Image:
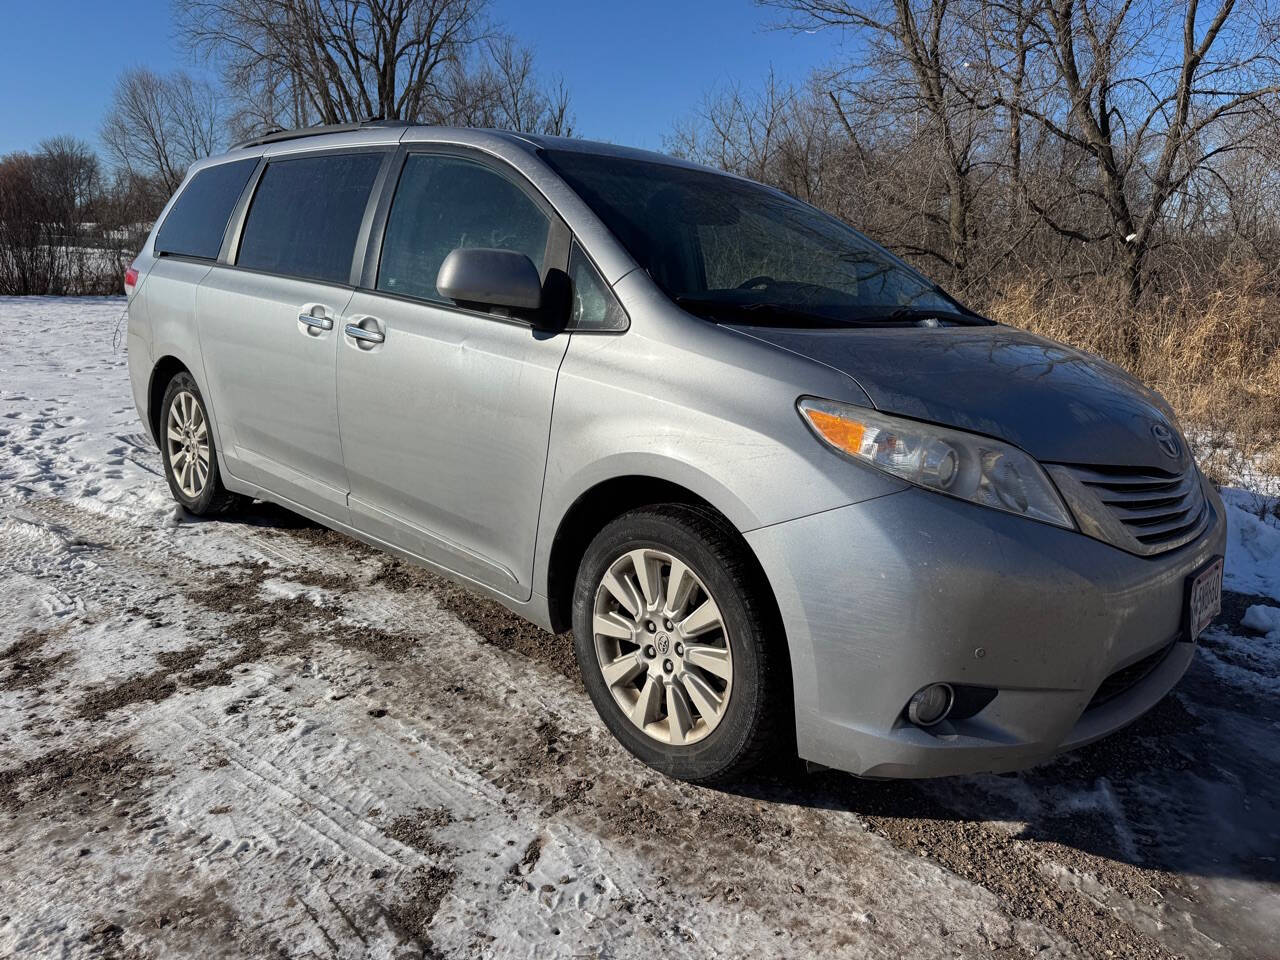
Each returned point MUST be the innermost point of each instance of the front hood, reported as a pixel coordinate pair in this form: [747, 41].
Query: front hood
[1058, 404]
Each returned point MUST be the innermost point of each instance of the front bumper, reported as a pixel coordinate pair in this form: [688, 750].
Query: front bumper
[883, 597]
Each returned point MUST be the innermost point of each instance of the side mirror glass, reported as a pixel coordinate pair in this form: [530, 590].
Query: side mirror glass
[492, 278]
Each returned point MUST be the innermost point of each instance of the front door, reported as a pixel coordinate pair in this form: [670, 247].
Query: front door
[445, 412]
[270, 324]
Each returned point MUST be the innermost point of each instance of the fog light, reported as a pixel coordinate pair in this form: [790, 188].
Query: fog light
[930, 705]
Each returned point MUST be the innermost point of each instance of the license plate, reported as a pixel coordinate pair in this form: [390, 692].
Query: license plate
[1205, 601]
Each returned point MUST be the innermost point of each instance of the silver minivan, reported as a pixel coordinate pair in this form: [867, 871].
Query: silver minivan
[790, 496]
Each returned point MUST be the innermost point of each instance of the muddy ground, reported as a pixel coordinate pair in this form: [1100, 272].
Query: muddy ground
[383, 762]
[255, 737]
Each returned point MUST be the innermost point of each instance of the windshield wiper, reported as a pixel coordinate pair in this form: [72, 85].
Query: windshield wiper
[762, 313]
[767, 314]
[974, 318]
[921, 315]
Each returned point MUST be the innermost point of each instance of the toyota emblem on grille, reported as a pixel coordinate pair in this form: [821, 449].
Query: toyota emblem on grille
[1167, 439]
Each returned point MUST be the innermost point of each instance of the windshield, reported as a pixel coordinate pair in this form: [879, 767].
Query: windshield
[733, 250]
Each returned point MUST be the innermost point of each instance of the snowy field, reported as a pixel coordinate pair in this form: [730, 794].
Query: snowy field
[255, 737]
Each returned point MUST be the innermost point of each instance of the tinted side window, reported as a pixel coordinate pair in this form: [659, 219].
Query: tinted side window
[594, 307]
[195, 224]
[306, 213]
[443, 203]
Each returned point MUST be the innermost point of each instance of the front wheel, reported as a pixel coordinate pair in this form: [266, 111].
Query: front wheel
[677, 644]
[188, 451]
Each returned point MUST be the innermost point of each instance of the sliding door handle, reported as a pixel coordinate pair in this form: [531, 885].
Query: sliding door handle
[315, 323]
[314, 319]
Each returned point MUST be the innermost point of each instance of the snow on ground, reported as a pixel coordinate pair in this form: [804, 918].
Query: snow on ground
[1253, 550]
[257, 737]
[1263, 618]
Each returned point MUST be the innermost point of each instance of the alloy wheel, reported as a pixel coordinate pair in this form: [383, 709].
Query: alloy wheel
[662, 646]
[187, 439]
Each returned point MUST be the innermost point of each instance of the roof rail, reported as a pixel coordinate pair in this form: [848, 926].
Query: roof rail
[276, 135]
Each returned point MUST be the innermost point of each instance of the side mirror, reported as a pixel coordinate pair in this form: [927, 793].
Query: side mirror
[494, 278]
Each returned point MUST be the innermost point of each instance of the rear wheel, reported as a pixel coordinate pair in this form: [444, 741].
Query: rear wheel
[676, 643]
[189, 453]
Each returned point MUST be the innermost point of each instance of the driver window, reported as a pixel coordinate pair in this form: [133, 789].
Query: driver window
[443, 203]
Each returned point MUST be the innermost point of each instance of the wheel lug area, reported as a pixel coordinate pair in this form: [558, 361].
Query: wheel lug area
[650, 652]
[651, 626]
[668, 625]
[679, 649]
[667, 666]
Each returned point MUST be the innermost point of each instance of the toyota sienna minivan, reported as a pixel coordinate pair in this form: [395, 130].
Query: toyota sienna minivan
[789, 494]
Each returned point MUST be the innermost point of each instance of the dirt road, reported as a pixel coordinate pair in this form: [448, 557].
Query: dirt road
[258, 738]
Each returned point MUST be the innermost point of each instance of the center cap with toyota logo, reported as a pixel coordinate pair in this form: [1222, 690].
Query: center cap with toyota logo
[663, 644]
[1167, 440]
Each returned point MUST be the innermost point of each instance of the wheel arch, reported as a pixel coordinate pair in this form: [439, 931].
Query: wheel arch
[599, 505]
[164, 370]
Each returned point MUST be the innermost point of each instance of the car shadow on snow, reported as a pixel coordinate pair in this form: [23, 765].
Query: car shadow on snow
[261, 513]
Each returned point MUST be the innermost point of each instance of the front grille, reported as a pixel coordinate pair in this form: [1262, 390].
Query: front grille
[1142, 510]
[1128, 677]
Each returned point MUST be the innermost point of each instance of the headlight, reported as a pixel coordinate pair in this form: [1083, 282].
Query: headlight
[959, 464]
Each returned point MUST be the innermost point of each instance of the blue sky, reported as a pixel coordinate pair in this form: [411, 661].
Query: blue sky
[632, 69]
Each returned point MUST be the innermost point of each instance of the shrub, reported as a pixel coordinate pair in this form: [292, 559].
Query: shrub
[1212, 349]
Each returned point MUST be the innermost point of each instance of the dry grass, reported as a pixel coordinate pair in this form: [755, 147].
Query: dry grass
[1212, 350]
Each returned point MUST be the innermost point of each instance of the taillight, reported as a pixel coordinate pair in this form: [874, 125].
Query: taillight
[130, 280]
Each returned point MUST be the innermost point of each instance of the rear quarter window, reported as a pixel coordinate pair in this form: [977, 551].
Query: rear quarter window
[306, 215]
[198, 218]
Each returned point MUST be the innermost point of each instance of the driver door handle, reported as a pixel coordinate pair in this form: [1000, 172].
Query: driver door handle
[364, 335]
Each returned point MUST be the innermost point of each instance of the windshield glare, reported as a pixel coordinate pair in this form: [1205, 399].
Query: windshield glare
[731, 249]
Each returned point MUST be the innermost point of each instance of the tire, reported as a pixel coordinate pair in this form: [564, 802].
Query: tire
[726, 717]
[185, 435]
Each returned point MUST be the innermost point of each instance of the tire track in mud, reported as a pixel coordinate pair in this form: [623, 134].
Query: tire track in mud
[260, 614]
[739, 832]
[1016, 870]
[322, 817]
[28, 670]
[257, 613]
[556, 780]
[1013, 869]
[575, 775]
[484, 809]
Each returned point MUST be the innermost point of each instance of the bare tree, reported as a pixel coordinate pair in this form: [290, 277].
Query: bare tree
[1070, 136]
[28, 242]
[723, 131]
[47, 202]
[501, 89]
[70, 178]
[158, 125]
[1148, 98]
[906, 77]
[335, 61]
[741, 132]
